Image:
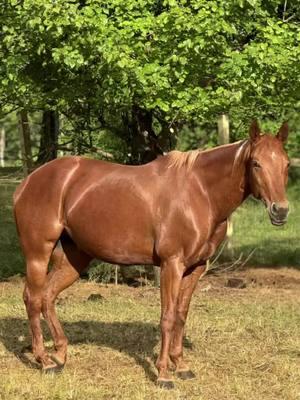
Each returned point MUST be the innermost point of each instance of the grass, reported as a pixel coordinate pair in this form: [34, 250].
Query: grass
[242, 344]
[10, 254]
[274, 246]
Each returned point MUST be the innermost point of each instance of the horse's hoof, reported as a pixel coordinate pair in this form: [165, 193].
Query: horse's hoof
[53, 370]
[164, 384]
[185, 375]
[57, 361]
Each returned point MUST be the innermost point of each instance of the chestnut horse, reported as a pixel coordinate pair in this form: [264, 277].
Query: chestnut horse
[171, 212]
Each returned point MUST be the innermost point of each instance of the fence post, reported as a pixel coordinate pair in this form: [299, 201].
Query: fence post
[156, 272]
[223, 138]
[2, 145]
[116, 274]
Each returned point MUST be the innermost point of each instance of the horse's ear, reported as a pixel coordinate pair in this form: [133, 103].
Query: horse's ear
[254, 130]
[283, 132]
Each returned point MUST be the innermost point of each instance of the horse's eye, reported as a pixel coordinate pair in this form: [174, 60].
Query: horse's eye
[256, 164]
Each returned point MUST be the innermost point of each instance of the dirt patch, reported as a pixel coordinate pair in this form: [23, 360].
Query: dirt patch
[82, 290]
[283, 278]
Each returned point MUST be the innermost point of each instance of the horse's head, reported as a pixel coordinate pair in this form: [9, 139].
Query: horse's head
[268, 171]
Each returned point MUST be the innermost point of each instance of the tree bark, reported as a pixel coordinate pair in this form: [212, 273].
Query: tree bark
[49, 137]
[25, 140]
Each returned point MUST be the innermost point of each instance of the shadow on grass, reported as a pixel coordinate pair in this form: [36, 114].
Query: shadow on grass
[137, 339]
[274, 253]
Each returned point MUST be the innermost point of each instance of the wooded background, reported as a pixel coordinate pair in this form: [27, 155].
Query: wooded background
[126, 80]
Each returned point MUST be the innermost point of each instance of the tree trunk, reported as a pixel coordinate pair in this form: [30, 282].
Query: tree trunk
[25, 141]
[49, 137]
[144, 144]
[2, 145]
[223, 134]
[168, 135]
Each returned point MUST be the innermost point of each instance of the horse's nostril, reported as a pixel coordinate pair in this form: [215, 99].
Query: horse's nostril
[279, 213]
[274, 208]
[279, 209]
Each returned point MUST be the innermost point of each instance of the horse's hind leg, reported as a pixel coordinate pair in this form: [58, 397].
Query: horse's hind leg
[36, 275]
[68, 262]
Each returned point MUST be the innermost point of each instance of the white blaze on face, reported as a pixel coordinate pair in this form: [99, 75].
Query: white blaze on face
[273, 155]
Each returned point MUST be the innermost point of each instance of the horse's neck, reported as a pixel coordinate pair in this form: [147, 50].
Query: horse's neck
[223, 171]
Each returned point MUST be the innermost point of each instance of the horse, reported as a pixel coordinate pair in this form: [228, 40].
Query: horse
[171, 212]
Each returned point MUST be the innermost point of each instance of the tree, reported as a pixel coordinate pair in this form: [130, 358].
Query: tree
[98, 62]
[49, 137]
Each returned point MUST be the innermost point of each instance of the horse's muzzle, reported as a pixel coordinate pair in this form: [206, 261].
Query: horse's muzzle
[278, 213]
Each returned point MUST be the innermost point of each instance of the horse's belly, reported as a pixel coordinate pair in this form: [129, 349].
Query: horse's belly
[115, 247]
[116, 229]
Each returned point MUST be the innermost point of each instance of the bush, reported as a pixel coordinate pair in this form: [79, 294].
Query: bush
[101, 272]
[132, 274]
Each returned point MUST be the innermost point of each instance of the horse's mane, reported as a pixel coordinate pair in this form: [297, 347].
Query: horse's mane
[178, 159]
[242, 153]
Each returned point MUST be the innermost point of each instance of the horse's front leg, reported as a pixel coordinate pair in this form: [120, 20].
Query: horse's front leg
[187, 287]
[170, 278]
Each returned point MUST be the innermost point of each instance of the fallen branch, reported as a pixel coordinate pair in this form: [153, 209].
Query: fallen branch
[231, 266]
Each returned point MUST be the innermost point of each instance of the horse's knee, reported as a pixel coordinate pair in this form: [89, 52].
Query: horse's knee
[181, 314]
[168, 320]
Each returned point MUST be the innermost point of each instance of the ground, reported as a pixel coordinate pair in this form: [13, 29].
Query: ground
[241, 343]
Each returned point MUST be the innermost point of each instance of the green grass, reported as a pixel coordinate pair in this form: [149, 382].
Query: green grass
[273, 246]
[242, 344]
[11, 261]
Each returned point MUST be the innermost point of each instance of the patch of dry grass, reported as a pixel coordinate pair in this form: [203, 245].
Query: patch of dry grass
[242, 344]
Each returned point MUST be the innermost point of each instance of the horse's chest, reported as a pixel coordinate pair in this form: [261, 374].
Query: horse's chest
[197, 244]
[207, 248]
[205, 242]
[198, 251]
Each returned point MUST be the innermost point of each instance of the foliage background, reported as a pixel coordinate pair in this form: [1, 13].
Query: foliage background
[184, 62]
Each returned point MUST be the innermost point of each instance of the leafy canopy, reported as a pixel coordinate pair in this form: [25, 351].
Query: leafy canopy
[183, 59]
